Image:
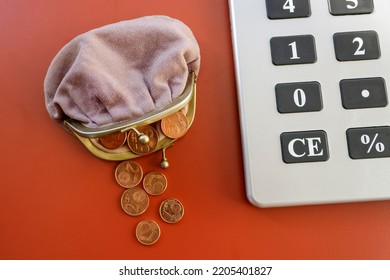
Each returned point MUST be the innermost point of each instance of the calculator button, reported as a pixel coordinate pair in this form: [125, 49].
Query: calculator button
[298, 49]
[304, 146]
[369, 142]
[363, 93]
[280, 9]
[359, 45]
[350, 7]
[298, 97]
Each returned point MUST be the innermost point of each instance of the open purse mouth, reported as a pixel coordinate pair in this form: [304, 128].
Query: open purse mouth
[90, 136]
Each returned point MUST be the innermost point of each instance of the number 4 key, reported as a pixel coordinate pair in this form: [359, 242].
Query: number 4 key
[280, 9]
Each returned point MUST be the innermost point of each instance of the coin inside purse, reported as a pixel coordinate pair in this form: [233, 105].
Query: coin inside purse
[143, 135]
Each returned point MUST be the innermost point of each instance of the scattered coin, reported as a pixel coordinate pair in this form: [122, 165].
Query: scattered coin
[114, 140]
[147, 232]
[128, 174]
[155, 183]
[175, 125]
[171, 210]
[135, 144]
[135, 201]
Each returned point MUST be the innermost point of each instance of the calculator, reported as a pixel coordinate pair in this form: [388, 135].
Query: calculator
[312, 81]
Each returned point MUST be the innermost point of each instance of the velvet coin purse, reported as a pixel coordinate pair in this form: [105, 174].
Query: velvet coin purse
[126, 89]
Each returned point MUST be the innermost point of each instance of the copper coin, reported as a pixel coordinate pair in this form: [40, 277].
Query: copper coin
[147, 232]
[175, 126]
[171, 210]
[142, 148]
[114, 140]
[135, 201]
[155, 183]
[128, 174]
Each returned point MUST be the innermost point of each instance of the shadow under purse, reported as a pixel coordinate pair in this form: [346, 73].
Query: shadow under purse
[126, 89]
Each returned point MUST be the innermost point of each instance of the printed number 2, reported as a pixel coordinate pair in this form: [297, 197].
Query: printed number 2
[289, 5]
[355, 4]
[359, 50]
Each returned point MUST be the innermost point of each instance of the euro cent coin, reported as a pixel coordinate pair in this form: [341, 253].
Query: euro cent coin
[142, 148]
[128, 174]
[155, 183]
[147, 232]
[175, 125]
[171, 210]
[135, 201]
[114, 140]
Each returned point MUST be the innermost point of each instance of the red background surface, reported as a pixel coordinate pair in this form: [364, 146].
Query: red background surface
[57, 201]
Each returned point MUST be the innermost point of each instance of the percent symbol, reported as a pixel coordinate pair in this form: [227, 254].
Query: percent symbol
[366, 140]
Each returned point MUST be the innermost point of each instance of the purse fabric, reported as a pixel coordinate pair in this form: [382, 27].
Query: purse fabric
[121, 71]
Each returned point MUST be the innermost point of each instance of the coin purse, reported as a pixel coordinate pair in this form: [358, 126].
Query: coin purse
[126, 89]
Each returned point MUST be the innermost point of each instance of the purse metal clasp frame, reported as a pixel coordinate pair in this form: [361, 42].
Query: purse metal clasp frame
[87, 134]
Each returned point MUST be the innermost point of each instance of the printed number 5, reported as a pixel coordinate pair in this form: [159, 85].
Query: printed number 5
[289, 5]
[355, 4]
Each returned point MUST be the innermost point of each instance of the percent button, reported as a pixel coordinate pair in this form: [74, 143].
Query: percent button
[369, 142]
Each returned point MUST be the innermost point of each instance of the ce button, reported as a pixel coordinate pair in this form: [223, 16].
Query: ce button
[304, 146]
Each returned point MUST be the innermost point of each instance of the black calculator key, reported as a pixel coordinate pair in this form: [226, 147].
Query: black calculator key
[369, 142]
[359, 45]
[298, 97]
[281, 9]
[304, 146]
[350, 7]
[288, 50]
[363, 93]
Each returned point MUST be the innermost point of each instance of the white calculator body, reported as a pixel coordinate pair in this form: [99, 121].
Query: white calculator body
[312, 80]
